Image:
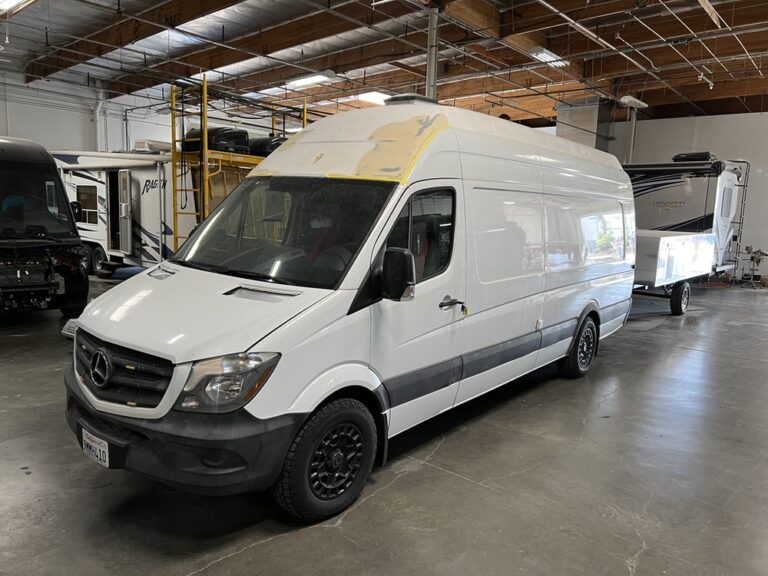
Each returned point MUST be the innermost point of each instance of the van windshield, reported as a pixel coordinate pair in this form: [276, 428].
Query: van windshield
[288, 230]
[32, 202]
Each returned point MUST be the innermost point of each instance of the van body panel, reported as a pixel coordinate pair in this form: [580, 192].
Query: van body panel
[213, 318]
[323, 350]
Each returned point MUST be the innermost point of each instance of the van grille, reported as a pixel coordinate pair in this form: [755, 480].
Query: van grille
[130, 377]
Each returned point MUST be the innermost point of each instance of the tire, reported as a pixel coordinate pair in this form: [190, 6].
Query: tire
[317, 481]
[681, 296]
[579, 359]
[72, 311]
[97, 259]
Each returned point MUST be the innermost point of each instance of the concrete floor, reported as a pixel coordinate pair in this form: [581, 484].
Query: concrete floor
[654, 464]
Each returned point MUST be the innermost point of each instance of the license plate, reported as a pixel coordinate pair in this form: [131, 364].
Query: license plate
[95, 448]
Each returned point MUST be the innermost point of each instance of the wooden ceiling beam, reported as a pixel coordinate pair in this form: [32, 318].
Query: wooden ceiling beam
[616, 65]
[313, 27]
[382, 52]
[740, 13]
[699, 92]
[478, 15]
[534, 17]
[122, 32]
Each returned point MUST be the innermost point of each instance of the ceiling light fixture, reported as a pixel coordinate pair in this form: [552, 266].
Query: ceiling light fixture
[548, 57]
[10, 7]
[311, 79]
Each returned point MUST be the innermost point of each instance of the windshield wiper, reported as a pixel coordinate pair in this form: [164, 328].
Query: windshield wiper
[197, 266]
[256, 276]
[231, 271]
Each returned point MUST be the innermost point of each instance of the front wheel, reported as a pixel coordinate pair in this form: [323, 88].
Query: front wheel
[329, 461]
[681, 296]
[576, 364]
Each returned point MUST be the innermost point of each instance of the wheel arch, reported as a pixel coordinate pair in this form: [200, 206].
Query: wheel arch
[354, 381]
[591, 310]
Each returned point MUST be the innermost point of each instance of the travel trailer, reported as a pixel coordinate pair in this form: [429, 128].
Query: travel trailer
[41, 255]
[381, 267]
[693, 193]
[127, 217]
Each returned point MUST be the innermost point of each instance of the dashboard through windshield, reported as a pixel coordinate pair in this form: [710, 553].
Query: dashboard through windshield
[288, 230]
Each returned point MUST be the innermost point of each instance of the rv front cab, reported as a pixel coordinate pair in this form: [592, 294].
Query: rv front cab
[398, 275]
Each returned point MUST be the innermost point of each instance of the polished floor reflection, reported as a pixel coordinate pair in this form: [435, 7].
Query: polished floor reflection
[654, 464]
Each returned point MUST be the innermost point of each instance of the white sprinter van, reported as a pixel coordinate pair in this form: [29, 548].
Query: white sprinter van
[381, 267]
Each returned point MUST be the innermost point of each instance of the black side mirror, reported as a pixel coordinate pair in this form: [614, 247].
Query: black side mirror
[77, 210]
[398, 275]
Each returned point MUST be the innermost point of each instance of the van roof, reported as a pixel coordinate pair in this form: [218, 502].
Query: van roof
[20, 150]
[385, 142]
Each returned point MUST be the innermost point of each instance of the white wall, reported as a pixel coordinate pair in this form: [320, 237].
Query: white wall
[729, 137]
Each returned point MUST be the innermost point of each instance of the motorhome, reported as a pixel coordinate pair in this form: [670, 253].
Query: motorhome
[41, 255]
[128, 215]
[381, 267]
[694, 193]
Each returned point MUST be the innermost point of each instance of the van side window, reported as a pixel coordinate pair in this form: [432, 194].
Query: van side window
[425, 226]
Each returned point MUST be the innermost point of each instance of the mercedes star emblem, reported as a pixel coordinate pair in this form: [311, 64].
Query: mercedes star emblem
[101, 368]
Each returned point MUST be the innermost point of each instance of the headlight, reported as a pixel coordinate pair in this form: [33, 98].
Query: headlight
[226, 383]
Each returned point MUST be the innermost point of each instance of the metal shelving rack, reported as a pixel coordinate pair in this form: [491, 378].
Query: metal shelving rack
[194, 168]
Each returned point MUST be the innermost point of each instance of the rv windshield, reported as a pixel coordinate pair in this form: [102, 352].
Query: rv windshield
[288, 230]
[32, 202]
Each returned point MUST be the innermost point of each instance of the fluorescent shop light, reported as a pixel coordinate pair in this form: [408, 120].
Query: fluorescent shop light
[548, 57]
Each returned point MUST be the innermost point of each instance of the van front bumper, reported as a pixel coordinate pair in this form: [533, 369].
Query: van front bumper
[202, 453]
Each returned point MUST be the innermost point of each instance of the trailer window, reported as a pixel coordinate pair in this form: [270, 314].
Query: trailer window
[425, 227]
[87, 197]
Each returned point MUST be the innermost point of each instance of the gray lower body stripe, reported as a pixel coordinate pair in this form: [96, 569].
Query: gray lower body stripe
[615, 310]
[418, 383]
[558, 332]
[487, 358]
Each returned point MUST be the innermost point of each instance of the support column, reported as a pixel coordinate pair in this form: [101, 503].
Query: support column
[431, 86]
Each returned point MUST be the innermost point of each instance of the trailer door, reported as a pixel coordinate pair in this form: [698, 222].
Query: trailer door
[124, 207]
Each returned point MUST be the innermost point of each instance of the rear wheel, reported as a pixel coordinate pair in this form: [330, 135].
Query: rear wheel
[329, 461]
[681, 296]
[579, 359]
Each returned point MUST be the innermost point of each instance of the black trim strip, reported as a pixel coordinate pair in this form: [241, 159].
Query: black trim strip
[423, 381]
[487, 358]
[418, 383]
[558, 332]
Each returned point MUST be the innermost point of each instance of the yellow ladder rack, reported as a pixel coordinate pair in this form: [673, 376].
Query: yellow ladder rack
[207, 163]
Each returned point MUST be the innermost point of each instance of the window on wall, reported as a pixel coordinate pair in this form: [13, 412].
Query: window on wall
[425, 227]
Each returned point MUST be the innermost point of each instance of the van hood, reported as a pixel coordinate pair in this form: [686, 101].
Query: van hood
[184, 314]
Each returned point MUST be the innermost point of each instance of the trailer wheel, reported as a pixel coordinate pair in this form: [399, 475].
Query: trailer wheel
[97, 259]
[576, 364]
[681, 296]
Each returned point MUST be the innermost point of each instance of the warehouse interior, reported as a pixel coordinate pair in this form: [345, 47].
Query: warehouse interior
[651, 463]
